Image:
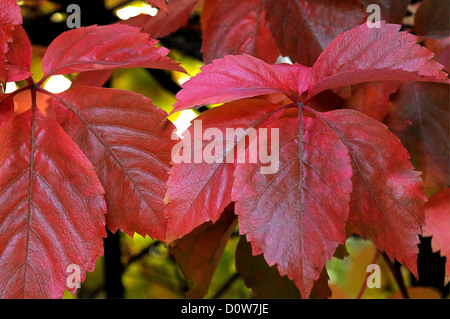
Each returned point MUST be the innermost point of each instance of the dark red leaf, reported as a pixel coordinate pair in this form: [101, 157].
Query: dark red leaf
[199, 252]
[51, 209]
[387, 198]
[432, 19]
[127, 139]
[296, 217]
[381, 54]
[164, 24]
[102, 48]
[199, 191]
[303, 28]
[237, 27]
[372, 98]
[266, 281]
[419, 117]
[437, 220]
[392, 11]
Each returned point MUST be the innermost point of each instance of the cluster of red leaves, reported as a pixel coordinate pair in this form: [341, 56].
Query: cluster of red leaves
[98, 156]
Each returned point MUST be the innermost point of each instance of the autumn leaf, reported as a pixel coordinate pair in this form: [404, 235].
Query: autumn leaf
[432, 19]
[127, 139]
[315, 23]
[437, 225]
[298, 207]
[397, 57]
[200, 189]
[419, 117]
[238, 77]
[9, 18]
[392, 11]
[85, 49]
[237, 27]
[387, 198]
[18, 56]
[52, 208]
[199, 252]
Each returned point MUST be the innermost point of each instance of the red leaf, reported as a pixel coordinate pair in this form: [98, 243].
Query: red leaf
[51, 209]
[18, 56]
[432, 19]
[419, 117]
[237, 27]
[380, 54]
[238, 77]
[303, 28]
[387, 197]
[296, 217]
[104, 47]
[6, 109]
[160, 4]
[392, 11]
[9, 17]
[198, 253]
[127, 139]
[164, 24]
[199, 191]
[437, 220]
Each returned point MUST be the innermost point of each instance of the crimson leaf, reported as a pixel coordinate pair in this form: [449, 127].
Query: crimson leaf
[51, 208]
[127, 139]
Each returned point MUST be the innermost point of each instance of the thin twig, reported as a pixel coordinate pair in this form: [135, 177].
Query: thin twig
[397, 276]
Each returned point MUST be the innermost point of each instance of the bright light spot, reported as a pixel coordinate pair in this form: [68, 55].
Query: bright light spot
[11, 87]
[133, 10]
[58, 17]
[20, 2]
[184, 121]
[284, 59]
[57, 84]
[181, 78]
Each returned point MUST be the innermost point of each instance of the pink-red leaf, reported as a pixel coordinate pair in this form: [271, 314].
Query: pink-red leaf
[51, 209]
[296, 217]
[387, 198]
[199, 252]
[419, 117]
[104, 47]
[378, 54]
[240, 76]
[437, 225]
[18, 56]
[432, 19]
[9, 17]
[303, 28]
[200, 190]
[237, 27]
[127, 139]
[164, 24]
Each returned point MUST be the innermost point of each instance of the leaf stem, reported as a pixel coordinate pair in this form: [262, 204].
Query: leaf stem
[397, 276]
